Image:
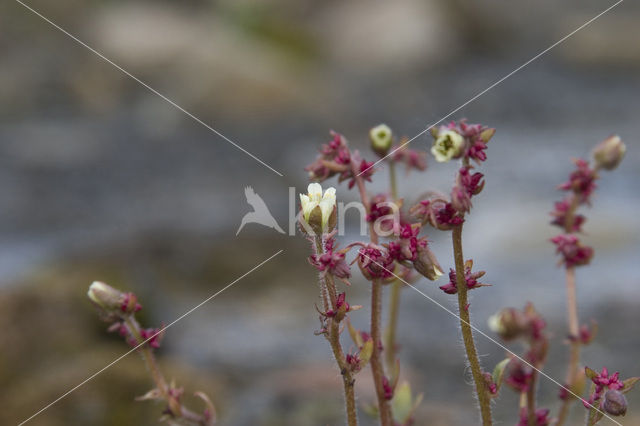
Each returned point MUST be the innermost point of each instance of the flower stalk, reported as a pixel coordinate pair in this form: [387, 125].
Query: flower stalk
[467, 333]
[377, 368]
[573, 324]
[119, 309]
[332, 334]
[396, 287]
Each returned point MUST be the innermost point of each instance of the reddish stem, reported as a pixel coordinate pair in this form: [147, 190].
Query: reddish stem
[377, 367]
[572, 319]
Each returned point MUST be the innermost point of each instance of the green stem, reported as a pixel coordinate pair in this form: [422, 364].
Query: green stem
[467, 334]
[390, 344]
[393, 182]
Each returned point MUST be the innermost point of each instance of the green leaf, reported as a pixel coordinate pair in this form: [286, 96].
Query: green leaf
[629, 384]
[498, 372]
[487, 134]
[371, 410]
[402, 402]
[355, 335]
[590, 373]
[366, 352]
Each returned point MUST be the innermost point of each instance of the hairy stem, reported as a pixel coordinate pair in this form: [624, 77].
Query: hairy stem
[377, 367]
[573, 322]
[465, 325]
[393, 182]
[333, 336]
[347, 375]
[148, 357]
[390, 344]
[396, 287]
[531, 401]
[574, 350]
[157, 376]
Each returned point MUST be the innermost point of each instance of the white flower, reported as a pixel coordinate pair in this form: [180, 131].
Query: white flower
[315, 198]
[447, 145]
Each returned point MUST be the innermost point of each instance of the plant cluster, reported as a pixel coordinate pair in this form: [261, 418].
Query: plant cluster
[397, 252]
[119, 310]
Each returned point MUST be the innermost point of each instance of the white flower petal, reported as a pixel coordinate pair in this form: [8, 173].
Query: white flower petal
[304, 200]
[447, 145]
[310, 206]
[326, 207]
[330, 195]
[315, 191]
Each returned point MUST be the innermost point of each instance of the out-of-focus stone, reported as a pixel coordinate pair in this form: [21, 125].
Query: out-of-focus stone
[376, 37]
[208, 61]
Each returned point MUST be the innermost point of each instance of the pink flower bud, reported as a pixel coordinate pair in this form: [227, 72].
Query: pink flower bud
[509, 324]
[129, 303]
[572, 251]
[426, 264]
[581, 180]
[615, 403]
[388, 389]
[374, 262]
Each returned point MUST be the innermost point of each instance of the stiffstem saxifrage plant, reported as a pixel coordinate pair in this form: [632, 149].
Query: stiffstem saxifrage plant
[397, 252]
[119, 309]
[579, 187]
[606, 397]
[406, 251]
[378, 263]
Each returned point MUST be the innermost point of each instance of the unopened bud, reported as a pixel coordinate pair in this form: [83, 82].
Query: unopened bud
[427, 264]
[615, 403]
[508, 324]
[487, 134]
[174, 406]
[608, 153]
[460, 199]
[129, 303]
[381, 138]
[105, 296]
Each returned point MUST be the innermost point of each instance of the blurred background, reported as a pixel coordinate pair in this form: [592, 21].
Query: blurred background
[101, 179]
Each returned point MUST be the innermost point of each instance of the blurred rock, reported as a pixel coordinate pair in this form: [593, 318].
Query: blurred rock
[203, 61]
[381, 37]
[609, 44]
